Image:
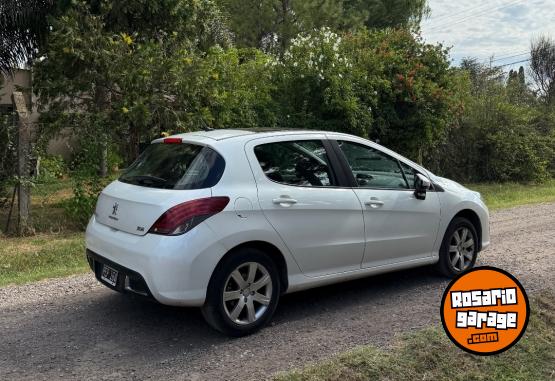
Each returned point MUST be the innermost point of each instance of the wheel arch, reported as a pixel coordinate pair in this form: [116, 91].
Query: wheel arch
[474, 219]
[273, 252]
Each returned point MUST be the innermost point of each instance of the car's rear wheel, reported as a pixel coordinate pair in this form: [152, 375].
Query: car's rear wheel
[243, 293]
[459, 248]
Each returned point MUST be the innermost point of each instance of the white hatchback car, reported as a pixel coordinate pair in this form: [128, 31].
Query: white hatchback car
[228, 220]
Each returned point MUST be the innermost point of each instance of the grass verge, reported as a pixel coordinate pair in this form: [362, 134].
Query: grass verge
[429, 355]
[507, 195]
[28, 259]
[47, 212]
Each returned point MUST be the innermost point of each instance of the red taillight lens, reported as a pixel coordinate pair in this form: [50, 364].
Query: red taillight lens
[183, 217]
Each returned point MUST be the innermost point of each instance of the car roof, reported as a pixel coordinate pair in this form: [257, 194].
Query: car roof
[224, 134]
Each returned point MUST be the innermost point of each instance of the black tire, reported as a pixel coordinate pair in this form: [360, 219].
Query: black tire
[445, 265]
[214, 309]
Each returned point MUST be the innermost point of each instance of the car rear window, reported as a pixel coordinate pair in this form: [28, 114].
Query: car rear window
[175, 166]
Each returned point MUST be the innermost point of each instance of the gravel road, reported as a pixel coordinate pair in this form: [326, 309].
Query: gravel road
[73, 328]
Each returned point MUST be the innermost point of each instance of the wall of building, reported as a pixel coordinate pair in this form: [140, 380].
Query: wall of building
[21, 80]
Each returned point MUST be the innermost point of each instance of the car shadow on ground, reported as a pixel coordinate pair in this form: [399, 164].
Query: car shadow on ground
[346, 295]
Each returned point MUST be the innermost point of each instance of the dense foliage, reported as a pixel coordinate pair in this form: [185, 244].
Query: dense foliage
[272, 24]
[122, 79]
[505, 132]
[410, 87]
[114, 83]
[317, 86]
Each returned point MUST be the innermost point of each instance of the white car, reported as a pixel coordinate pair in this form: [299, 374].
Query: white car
[228, 220]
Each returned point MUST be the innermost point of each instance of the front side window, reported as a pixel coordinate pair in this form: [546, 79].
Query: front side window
[300, 163]
[175, 166]
[410, 174]
[373, 168]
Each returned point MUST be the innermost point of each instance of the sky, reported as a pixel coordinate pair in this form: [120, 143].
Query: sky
[502, 29]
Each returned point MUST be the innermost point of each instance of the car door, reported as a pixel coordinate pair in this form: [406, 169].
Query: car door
[398, 226]
[320, 222]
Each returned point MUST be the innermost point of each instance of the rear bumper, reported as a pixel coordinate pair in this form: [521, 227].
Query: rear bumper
[129, 281]
[172, 270]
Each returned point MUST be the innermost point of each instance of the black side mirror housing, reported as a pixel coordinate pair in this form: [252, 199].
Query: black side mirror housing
[422, 184]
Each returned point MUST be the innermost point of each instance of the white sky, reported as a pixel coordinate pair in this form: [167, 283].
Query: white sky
[482, 29]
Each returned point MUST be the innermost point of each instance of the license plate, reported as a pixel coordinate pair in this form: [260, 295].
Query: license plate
[109, 275]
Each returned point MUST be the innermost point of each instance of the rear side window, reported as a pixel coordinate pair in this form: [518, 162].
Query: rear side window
[175, 166]
[300, 163]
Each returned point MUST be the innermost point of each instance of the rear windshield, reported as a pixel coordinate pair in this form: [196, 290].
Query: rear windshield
[175, 166]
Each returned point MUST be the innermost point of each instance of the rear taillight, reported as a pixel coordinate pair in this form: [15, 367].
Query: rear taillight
[183, 217]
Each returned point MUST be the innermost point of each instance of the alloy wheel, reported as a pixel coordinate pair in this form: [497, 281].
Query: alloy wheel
[461, 249]
[247, 293]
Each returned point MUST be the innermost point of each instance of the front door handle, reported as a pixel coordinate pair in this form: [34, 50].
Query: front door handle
[284, 201]
[374, 203]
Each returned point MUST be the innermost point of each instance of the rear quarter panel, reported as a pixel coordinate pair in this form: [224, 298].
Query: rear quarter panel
[243, 220]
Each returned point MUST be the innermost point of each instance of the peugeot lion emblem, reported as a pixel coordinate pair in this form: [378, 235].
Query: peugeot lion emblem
[115, 209]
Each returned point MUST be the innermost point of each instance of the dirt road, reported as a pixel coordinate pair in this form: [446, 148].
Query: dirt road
[73, 328]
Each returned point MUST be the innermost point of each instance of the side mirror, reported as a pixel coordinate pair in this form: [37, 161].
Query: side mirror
[422, 184]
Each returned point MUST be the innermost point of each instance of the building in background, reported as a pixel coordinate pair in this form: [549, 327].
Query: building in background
[22, 80]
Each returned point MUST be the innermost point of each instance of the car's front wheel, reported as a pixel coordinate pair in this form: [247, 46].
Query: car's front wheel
[459, 248]
[243, 293]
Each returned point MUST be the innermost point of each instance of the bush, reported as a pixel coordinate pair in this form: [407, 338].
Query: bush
[52, 168]
[81, 206]
[407, 85]
[86, 163]
[499, 137]
[316, 86]
[520, 156]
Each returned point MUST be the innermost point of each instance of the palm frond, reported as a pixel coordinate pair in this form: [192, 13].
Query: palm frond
[23, 29]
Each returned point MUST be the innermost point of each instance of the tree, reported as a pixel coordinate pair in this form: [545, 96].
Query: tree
[517, 88]
[23, 30]
[414, 88]
[317, 87]
[501, 135]
[111, 74]
[384, 84]
[271, 24]
[392, 13]
[542, 67]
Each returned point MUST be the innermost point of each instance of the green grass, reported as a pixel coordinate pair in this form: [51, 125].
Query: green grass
[507, 195]
[47, 212]
[29, 259]
[47, 189]
[429, 355]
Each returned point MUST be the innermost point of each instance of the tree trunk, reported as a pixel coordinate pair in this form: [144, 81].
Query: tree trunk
[103, 172]
[23, 159]
[285, 9]
[101, 103]
[135, 140]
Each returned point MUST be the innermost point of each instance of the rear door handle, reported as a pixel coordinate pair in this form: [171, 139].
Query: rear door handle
[284, 201]
[374, 203]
